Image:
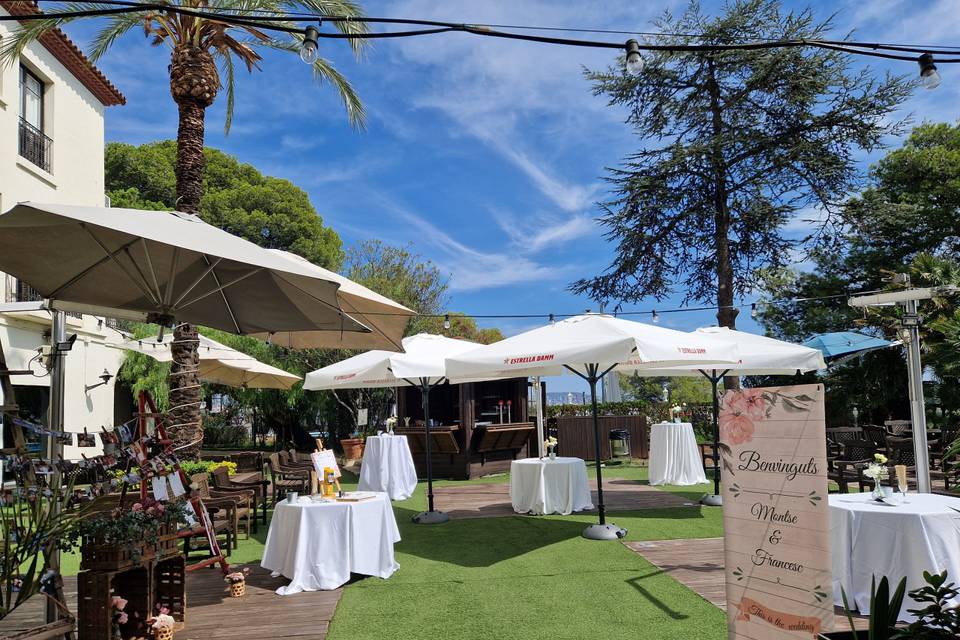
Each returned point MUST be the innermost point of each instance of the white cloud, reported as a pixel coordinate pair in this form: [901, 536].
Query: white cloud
[471, 269]
[534, 233]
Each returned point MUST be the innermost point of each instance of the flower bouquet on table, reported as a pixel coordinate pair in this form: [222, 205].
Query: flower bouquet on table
[238, 582]
[162, 625]
[391, 423]
[878, 472]
[550, 446]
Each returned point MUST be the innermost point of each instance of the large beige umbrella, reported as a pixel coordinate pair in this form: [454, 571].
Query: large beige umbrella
[219, 364]
[165, 265]
[385, 317]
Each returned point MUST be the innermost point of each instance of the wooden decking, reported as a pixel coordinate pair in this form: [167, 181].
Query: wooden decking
[698, 565]
[475, 500]
[211, 613]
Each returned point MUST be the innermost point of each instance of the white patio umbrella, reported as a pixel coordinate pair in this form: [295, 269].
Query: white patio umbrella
[219, 363]
[590, 346]
[758, 356]
[422, 364]
[161, 265]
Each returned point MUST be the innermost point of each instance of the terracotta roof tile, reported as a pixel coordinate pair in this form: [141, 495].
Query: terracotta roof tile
[70, 55]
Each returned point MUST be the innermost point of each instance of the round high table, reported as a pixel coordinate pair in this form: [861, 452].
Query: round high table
[317, 545]
[674, 455]
[388, 467]
[540, 486]
[874, 539]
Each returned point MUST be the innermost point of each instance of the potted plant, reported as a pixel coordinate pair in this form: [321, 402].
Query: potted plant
[935, 621]
[352, 446]
[238, 582]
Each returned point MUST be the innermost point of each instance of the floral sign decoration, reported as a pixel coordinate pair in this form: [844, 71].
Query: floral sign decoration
[743, 410]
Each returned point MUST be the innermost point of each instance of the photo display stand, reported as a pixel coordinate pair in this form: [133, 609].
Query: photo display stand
[150, 424]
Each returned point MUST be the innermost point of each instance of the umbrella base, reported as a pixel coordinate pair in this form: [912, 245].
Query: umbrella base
[431, 517]
[604, 532]
[711, 500]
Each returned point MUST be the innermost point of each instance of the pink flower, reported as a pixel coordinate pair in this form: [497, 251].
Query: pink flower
[735, 429]
[118, 603]
[136, 507]
[160, 508]
[755, 404]
[122, 618]
[151, 511]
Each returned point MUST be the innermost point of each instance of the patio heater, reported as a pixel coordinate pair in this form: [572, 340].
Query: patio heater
[910, 334]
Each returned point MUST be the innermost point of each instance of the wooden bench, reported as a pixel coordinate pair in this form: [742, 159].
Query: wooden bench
[501, 437]
[442, 439]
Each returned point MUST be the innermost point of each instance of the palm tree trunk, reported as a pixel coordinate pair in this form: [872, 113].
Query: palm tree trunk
[193, 84]
[184, 414]
[190, 160]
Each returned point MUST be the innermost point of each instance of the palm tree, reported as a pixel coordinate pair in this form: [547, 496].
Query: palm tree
[198, 45]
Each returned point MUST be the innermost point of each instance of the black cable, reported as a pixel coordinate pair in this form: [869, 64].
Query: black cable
[276, 23]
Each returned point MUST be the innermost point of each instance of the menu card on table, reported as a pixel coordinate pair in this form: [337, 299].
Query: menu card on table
[775, 513]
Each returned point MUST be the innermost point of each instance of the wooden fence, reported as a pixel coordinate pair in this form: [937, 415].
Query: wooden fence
[575, 435]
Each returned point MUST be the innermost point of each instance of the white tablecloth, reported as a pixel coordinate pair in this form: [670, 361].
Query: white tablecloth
[869, 538]
[674, 455]
[549, 486]
[388, 467]
[318, 545]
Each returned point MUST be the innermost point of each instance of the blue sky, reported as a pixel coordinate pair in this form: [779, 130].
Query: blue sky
[486, 155]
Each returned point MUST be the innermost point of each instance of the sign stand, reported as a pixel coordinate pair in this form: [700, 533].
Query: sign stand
[323, 458]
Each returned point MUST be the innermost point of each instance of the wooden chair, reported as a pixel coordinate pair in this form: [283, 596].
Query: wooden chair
[876, 434]
[225, 512]
[848, 452]
[292, 459]
[248, 461]
[897, 427]
[287, 478]
[255, 489]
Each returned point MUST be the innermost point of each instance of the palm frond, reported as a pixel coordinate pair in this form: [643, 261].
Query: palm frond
[324, 71]
[226, 61]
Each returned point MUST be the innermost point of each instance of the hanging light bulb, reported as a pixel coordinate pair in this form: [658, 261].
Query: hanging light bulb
[753, 310]
[553, 320]
[655, 317]
[929, 77]
[446, 321]
[634, 63]
[308, 50]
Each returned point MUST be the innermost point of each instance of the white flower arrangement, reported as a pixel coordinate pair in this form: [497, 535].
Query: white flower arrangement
[392, 421]
[877, 470]
[550, 443]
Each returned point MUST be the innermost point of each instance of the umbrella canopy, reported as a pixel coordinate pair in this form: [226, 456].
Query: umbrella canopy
[590, 346]
[159, 265]
[219, 364]
[386, 318]
[423, 358]
[575, 343]
[756, 356]
[847, 343]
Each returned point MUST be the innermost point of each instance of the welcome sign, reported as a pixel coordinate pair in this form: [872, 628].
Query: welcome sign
[775, 513]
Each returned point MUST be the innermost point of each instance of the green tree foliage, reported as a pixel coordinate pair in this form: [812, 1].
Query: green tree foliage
[904, 221]
[733, 145]
[271, 212]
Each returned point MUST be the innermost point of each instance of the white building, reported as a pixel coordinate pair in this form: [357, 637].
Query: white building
[52, 104]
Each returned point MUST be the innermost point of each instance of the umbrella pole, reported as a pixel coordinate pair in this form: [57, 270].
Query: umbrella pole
[430, 516]
[715, 500]
[601, 531]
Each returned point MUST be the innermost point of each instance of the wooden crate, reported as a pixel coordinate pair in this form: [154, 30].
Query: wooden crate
[93, 605]
[170, 586]
[115, 557]
[136, 587]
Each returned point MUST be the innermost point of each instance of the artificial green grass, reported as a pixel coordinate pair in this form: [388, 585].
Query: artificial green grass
[523, 577]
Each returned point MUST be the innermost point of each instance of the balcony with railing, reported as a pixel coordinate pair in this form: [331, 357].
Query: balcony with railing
[35, 146]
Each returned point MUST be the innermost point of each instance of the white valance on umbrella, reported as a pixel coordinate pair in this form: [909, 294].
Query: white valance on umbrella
[219, 363]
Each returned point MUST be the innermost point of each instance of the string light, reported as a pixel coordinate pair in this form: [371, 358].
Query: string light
[446, 321]
[553, 320]
[634, 61]
[929, 77]
[753, 310]
[285, 23]
[308, 50]
[655, 317]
